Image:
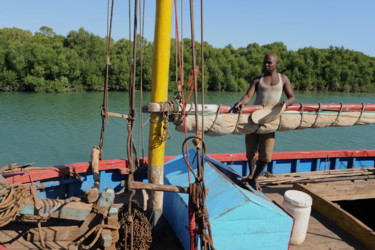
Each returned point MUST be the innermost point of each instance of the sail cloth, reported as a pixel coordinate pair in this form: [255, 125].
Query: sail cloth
[239, 123]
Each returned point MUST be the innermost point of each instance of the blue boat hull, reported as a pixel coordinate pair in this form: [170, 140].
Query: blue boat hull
[239, 218]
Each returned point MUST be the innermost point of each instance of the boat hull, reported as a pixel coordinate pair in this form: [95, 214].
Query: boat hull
[223, 173]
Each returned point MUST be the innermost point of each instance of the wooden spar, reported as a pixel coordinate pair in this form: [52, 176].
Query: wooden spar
[157, 187]
[117, 115]
[159, 93]
[335, 107]
[215, 108]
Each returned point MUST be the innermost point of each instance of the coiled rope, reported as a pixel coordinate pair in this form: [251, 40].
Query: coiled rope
[12, 199]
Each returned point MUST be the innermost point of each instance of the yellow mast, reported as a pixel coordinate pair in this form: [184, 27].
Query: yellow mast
[159, 93]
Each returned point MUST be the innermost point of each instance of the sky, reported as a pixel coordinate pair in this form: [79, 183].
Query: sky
[296, 23]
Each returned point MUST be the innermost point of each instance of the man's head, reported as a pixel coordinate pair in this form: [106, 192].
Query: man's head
[270, 62]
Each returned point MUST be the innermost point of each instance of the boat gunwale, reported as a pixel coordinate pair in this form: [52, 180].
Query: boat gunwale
[42, 173]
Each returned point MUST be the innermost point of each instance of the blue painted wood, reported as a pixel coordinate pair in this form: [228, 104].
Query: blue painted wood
[239, 218]
[286, 166]
[298, 166]
[68, 213]
[77, 211]
[67, 186]
[362, 162]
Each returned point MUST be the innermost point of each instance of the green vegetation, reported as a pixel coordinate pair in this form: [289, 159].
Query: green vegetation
[46, 62]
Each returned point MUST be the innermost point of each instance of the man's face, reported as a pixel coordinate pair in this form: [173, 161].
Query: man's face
[269, 64]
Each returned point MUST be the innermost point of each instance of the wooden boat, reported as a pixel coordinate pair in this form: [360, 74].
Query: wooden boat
[227, 199]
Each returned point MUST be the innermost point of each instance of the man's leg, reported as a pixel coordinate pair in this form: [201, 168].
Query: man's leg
[251, 142]
[251, 162]
[266, 145]
[259, 169]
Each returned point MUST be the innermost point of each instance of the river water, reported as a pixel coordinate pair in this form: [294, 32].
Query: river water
[53, 129]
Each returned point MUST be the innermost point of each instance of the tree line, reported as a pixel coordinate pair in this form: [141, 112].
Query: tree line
[46, 62]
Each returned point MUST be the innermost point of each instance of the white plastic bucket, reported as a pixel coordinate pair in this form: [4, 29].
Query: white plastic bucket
[298, 204]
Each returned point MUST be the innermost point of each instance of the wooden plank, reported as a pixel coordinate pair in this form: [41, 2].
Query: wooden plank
[318, 176]
[71, 211]
[159, 187]
[344, 190]
[341, 218]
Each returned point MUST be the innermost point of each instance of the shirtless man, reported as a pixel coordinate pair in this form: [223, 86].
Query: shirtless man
[268, 89]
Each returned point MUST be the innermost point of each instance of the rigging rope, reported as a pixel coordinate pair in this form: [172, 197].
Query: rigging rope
[179, 65]
[104, 109]
[132, 159]
[202, 66]
[179, 59]
[197, 196]
[140, 128]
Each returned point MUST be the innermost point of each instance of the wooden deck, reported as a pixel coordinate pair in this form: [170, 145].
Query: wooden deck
[321, 233]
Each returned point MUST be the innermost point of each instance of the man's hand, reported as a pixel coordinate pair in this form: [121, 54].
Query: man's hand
[284, 102]
[237, 107]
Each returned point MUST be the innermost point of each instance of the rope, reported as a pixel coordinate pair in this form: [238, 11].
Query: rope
[37, 209]
[198, 196]
[338, 115]
[202, 66]
[237, 121]
[317, 116]
[57, 206]
[216, 117]
[360, 115]
[131, 152]
[182, 40]
[130, 34]
[13, 198]
[301, 112]
[195, 71]
[140, 128]
[278, 127]
[97, 230]
[104, 108]
[180, 85]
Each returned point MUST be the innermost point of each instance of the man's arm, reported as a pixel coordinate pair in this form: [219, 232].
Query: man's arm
[288, 90]
[247, 97]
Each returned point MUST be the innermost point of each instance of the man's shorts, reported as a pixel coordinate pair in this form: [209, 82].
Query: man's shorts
[261, 143]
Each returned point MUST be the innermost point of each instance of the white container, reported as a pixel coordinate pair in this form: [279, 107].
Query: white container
[298, 204]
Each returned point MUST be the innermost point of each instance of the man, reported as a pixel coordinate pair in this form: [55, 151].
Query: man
[268, 89]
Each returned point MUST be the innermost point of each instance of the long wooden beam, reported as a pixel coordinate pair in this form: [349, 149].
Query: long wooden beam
[158, 187]
[215, 108]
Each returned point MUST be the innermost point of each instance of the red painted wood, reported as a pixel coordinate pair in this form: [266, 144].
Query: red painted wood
[307, 107]
[36, 174]
[299, 155]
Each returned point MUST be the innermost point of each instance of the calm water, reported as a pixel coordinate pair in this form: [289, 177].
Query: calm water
[51, 129]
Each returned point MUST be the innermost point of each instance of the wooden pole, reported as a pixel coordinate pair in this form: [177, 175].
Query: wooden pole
[159, 93]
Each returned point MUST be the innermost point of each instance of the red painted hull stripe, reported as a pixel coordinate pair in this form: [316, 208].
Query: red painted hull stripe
[121, 164]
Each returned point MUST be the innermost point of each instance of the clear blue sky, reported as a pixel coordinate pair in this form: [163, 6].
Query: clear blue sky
[296, 23]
